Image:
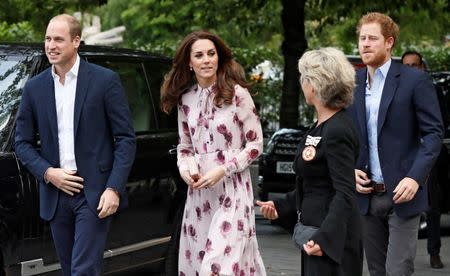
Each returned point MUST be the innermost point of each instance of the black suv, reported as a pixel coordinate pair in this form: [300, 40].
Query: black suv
[140, 234]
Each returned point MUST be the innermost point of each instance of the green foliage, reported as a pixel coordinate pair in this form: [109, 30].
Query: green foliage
[22, 31]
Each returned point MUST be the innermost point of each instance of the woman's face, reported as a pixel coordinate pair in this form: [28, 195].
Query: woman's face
[204, 61]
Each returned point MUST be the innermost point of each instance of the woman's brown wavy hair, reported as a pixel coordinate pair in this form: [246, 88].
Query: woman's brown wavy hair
[180, 78]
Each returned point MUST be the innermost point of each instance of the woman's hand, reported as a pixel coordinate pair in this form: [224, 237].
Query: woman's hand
[187, 177]
[210, 178]
[267, 209]
[312, 249]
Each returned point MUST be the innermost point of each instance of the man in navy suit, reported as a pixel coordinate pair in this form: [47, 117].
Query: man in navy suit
[86, 151]
[397, 115]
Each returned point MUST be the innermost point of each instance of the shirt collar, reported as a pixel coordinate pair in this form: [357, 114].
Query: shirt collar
[72, 72]
[383, 69]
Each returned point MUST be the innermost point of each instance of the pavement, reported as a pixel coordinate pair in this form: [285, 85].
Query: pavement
[281, 257]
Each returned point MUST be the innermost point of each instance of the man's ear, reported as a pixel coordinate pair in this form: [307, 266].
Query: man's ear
[76, 41]
[390, 42]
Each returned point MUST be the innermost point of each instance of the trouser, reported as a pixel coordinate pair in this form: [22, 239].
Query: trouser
[79, 236]
[390, 242]
[433, 231]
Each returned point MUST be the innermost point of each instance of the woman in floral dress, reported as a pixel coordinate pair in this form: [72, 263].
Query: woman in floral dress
[220, 130]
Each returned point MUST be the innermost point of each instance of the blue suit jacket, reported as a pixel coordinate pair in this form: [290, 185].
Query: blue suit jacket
[409, 132]
[103, 134]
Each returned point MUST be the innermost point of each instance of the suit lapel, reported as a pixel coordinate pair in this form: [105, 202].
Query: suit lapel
[81, 92]
[389, 89]
[51, 110]
[360, 100]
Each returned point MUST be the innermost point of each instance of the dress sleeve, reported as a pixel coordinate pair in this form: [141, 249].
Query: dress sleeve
[340, 151]
[249, 125]
[184, 148]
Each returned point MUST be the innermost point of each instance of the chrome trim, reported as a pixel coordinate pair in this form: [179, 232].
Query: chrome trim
[36, 266]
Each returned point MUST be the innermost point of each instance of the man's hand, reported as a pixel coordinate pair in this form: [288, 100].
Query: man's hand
[210, 178]
[109, 202]
[312, 249]
[65, 180]
[361, 182]
[267, 209]
[405, 190]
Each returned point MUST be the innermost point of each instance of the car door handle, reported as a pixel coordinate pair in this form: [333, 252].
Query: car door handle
[173, 151]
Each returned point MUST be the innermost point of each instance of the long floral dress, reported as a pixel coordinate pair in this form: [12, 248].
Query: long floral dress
[218, 229]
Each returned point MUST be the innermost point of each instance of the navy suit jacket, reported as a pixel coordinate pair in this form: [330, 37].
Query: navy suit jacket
[409, 132]
[103, 134]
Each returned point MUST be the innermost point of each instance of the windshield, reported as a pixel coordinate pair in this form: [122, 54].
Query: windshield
[13, 74]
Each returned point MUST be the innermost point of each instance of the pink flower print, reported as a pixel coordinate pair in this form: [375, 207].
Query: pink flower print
[205, 147]
[185, 128]
[192, 131]
[227, 250]
[255, 111]
[247, 211]
[184, 229]
[215, 268]
[196, 273]
[221, 198]
[225, 227]
[186, 109]
[182, 273]
[185, 152]
[228, 138]
[187, 254]
[242, 136]
[192, 232]
[208, 245]
[222, 129]
[235, 268]
[239, 100]
[238, 203]
[190, 191]
[201, 254]
[251, 135]
[250, 232]
[253, 154]
[220, 157]
[239, 177]
[211, 137]
[213, 110]
[252, 271]
[235, 118]
[206, 207]
[242, 273]
[240, 225]
[234, 184]
[247, 186]
[227, 202]
[199, 213]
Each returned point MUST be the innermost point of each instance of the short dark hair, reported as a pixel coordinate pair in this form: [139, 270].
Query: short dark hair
[412, 52]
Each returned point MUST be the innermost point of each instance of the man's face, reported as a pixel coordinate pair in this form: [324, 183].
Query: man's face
[413, 60]
[374, 49]
[60, 48]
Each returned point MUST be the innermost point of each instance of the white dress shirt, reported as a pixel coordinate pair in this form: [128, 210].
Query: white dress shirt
[65, 103]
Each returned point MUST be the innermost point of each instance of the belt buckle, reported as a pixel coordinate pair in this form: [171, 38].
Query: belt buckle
[379, 187]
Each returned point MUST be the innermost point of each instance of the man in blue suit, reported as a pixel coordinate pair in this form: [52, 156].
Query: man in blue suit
[87, 146]
[397, 115]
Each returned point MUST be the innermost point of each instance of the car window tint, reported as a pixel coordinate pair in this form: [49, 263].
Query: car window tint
[133, 79]
[156, 70]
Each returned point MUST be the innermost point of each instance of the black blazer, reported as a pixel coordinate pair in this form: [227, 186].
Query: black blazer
[326, 194]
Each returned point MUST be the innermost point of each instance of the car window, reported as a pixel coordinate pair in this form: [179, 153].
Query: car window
[133, 79]
[13, 75]
[156, 71]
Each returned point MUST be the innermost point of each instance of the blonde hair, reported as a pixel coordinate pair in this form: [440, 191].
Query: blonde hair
[330, 74]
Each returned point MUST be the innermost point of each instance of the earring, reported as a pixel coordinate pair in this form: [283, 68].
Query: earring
[190, 68]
